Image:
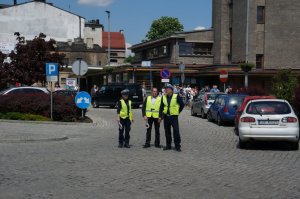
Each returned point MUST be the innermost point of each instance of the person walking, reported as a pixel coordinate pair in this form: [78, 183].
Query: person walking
[94, 91]
[170, 108]
[125, 118]
[150, 110]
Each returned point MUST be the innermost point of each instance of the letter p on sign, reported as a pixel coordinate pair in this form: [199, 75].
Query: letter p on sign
[51, 69]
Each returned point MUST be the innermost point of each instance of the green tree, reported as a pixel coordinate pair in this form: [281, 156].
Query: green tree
[129, 59]
[284, 84]
[29, 60]
[163, 27]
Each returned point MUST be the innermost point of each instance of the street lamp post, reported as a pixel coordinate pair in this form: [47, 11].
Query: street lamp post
[108, 15]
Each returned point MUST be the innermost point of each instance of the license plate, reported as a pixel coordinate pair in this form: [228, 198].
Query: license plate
[135, 97]
[268, 122]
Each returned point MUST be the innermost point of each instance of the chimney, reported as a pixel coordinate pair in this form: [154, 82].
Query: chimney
[122, 31]
[15, 2]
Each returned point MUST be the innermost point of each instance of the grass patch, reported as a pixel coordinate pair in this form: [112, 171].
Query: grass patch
[23, 116]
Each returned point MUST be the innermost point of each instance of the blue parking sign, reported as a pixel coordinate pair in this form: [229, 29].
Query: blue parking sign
[51, 69]
[83, 100]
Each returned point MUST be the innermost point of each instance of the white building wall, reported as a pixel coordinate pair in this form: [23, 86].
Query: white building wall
[32, 18]
[95, 35]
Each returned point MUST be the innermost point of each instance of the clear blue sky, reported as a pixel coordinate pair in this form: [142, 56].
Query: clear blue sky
[136, 16]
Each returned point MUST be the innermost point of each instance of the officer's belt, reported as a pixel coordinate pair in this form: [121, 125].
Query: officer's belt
[152, 111]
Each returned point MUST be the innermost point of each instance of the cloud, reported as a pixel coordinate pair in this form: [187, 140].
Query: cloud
[101, 3]
[199, 28]
[128, 52]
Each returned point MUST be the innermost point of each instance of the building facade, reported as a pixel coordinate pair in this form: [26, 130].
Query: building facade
[264, 32]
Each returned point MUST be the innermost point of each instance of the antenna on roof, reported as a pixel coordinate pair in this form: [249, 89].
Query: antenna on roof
[70, 7]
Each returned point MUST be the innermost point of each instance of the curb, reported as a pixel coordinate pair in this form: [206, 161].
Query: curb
[34, 140]
[44, 122]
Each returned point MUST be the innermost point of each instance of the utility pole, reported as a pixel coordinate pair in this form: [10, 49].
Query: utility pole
[108, 15]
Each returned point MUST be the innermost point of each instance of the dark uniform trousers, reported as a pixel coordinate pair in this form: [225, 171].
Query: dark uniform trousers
[152, 120]
[172, 121]
[126, 125]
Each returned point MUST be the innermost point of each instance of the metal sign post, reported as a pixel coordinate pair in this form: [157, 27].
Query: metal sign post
[51, 76]
[79, 68]
[148, 64]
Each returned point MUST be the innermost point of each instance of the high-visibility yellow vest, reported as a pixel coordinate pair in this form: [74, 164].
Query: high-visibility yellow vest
[174, 106]
[153, 111]
[124, 111]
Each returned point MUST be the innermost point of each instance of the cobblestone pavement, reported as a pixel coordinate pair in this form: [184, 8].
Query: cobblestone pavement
[89, 165]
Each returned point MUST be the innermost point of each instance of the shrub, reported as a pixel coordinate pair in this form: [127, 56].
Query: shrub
[23, 116]
[284, 84]
[64, 108]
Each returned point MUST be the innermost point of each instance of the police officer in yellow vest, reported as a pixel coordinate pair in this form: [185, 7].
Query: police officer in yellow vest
[170, 108]
[150, 110]
[125, 117]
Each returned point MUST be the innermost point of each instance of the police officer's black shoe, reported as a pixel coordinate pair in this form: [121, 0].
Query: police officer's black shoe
[120, 145]
[146, 146]
[167, 148]
[126, 146]
[158, 146]
[178, 149]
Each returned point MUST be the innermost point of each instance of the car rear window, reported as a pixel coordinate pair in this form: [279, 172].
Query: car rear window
[236, 100]
[268, 108]
[211, 96]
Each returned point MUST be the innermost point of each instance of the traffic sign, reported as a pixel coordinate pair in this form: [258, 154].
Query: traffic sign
[51, 69]
[165, 73]
[165, 80]
[223, 76]
[83, 100]
[80, 67]
[146, 63]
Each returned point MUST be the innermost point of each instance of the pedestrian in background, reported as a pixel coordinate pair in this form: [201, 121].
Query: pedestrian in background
[150, 111]
[215, 89]
[125, 118]
[94, 91]
[170, 108]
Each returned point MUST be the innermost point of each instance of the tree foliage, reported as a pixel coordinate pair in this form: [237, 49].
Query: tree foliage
[129, 59]
[284, 84]
[29, 60]
[163, 27]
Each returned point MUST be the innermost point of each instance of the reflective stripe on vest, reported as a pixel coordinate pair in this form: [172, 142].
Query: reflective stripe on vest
[124, 111]
[153, 111]
[174, 106]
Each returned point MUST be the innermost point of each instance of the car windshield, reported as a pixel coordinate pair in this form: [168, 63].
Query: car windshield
[236, 100]
[268, 108]
[212, 96]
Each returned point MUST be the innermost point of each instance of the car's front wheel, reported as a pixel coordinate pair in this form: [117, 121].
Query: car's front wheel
[209, 116]
[203, 114]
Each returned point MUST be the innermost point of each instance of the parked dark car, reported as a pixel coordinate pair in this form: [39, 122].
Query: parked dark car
[224, 108]
[108, 95]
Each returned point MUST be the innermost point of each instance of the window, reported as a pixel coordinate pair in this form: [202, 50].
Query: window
[114, 54]
[259, 61]
[200, 49]
[268, 108]
[260, 14]
[114, 61]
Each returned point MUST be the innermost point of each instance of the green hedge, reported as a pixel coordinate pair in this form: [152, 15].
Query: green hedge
[23, 116]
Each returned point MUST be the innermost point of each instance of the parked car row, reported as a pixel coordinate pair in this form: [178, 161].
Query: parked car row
[261, 118]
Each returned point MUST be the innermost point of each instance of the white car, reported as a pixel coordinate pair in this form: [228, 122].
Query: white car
[269, 120]
[25, 90]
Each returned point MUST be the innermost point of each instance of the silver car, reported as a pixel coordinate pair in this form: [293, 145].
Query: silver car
[202, 103]
[24, 90]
